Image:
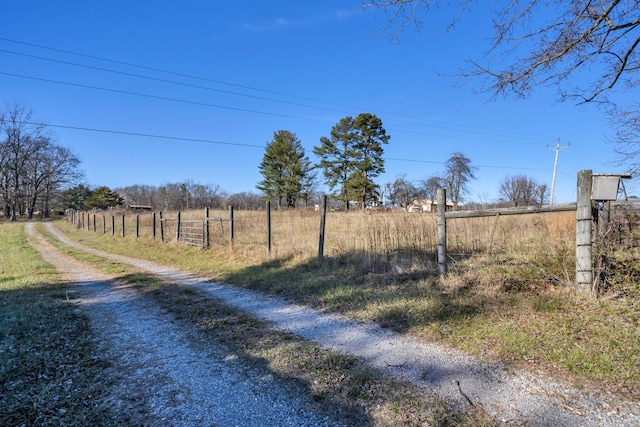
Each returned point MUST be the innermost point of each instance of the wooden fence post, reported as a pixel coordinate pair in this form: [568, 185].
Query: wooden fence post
[161, 228]
[113, 225]
[268, 210]
[137, 226]
[442, 232]
[94, 223]
[179, 221]
[104, 224]
[584, 224]
[323, 216]
[231, 236]
[123, 225]
[206, 233]
[153, 226]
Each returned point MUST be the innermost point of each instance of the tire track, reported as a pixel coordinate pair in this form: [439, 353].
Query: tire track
[162, 374]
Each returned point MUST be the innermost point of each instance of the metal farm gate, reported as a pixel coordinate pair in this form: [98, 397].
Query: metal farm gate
[192, 233]
[195, 232]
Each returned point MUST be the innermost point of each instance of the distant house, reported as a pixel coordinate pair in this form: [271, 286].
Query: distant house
[426, 205]
[140, 208]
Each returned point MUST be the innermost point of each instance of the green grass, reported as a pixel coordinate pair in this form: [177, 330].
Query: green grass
[51, 372]
[492, 305]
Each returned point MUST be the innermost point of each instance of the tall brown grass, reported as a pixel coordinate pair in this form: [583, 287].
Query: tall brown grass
[377, 242]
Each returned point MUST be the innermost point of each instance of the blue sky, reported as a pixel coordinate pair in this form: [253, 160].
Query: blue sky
[221, 77]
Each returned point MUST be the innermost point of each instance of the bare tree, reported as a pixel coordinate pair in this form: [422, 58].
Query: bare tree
[24, 141]
[139, 195]
[429, 187]
[245, 201]
[542, 42]
[32, 168]
[627, 124]
[309, 185]
[403, 192]
[171, 196]
[459, 171]
[520, 190]
[174, 196]
[588, 50]
[50, 171]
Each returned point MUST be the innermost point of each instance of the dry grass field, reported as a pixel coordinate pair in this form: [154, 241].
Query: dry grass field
[377, 242]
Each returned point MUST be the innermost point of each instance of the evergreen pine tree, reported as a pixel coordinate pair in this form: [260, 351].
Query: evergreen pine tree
[285, 169]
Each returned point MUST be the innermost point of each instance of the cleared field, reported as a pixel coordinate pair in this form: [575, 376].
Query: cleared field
[376, 242]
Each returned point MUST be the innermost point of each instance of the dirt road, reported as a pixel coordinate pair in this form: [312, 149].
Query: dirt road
[514, 398]
[164, 374]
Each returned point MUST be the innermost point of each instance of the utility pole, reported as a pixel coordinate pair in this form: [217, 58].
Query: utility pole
[557, 149]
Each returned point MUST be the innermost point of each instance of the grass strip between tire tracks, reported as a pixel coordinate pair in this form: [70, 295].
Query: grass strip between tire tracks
[51, 371]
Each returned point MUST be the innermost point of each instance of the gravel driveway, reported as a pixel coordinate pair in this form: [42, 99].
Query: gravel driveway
[165, 376]
[515, 398]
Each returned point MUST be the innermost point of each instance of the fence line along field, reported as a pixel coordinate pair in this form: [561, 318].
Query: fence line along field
[508, 293]
[373, 242]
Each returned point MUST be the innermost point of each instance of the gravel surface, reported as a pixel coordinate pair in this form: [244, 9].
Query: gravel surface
[515, 398]
[168, 377]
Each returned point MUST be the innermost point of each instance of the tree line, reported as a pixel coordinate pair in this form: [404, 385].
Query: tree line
[33, 168]
[188, 195]
[174, 196]
[36, 174]
[350, 158]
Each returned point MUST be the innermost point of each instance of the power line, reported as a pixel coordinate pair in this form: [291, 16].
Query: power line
[479, 166]
[124, 73]
[159, 70]
[146, 135]
[209, 141]
[206, 104]
[246, 110]
[470, 128]
[163, 98]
